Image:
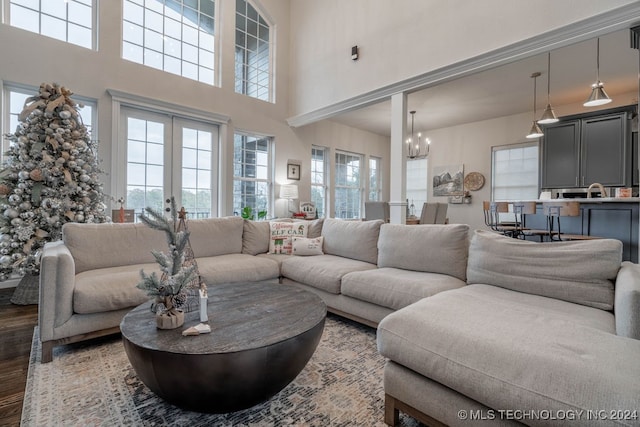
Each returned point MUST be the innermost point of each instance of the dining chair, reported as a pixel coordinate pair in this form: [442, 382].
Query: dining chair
[429, 213]
[441, 214]
[376, 210]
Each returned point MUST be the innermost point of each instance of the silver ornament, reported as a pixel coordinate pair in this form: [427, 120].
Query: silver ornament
[11, 213]
[5, 260]
[64, 114]
[79, 217]
[16, 222]
[23, 175]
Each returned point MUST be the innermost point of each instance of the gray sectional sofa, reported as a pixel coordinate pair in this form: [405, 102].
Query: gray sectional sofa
[543, 333]
[491, 330]
[87, 280]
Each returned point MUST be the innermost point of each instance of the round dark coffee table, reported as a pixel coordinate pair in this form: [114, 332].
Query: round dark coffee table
[262, 336]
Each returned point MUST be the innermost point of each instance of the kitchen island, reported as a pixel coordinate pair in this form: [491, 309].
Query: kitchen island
[610, 217]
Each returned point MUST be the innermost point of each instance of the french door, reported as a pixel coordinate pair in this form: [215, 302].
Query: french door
[168, 156]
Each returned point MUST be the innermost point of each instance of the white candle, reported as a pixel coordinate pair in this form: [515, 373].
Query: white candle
[203, 305]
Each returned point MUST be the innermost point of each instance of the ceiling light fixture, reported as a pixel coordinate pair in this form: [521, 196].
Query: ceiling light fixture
[598, 95]
[417, 148]
[535, 131]
[548, 116]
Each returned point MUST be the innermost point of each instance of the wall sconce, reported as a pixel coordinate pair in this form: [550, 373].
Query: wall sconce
[289, 192]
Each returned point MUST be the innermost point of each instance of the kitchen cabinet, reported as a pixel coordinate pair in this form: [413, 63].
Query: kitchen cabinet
[579, 151]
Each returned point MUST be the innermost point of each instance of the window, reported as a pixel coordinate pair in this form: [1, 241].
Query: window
[375, 179]
[319, 164]
[176, 36]
[417, 185]
[253, 60]
[514, 170]
[71, 21]
[169, 156]
[15, 97]
[251, 173]
[348, 191]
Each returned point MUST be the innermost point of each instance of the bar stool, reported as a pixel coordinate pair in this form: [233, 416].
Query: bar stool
[520, 209]
[554, 211]
[492, 211]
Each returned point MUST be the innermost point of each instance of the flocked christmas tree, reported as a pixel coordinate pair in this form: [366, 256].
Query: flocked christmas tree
[49, 177]
[171, 288]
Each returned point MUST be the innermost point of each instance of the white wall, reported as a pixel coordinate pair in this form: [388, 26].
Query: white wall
[334, 136]
[470, 144]
[404, 38]
[31, 59]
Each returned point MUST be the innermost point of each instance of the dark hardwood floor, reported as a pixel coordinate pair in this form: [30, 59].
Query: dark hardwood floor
[16, 332]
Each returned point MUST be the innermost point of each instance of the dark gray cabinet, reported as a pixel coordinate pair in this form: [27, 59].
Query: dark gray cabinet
[561, 155]
[582, 150]
[604, 151]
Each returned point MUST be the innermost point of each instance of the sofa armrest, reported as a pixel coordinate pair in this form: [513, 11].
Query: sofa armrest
[57, 279]
[627, 301]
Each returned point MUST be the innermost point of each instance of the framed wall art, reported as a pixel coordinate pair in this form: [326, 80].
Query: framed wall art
[293, 171]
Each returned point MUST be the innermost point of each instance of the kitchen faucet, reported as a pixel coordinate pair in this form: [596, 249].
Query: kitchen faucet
[603, 192]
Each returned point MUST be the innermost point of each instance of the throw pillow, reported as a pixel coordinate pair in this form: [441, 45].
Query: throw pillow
[304, 247]
[281, 234]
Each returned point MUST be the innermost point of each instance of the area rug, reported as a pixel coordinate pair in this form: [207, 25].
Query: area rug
[93, 384]
[27, 290]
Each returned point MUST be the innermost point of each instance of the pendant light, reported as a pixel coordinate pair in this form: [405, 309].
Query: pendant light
[535, 131]
[598, 95]
[548, 116]
[417, 148]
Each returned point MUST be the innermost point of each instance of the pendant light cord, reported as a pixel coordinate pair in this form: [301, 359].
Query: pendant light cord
[549, 78]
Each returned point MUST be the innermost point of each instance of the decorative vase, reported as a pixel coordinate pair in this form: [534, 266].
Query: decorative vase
[170, 319]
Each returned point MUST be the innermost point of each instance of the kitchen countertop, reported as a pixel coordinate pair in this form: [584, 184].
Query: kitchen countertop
[595, 200]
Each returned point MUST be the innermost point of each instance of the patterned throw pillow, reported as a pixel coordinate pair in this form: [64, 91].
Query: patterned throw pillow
[304, 247]
[281, 234]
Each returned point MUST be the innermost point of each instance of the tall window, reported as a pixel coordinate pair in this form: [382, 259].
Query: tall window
[176, 36]
[251, 173]
[319, 164]
[169, 156]
[253, 60]
[417, 184]
[375, 179]
[348, 185]
[71, 21]
[514, 172]
[14, 99]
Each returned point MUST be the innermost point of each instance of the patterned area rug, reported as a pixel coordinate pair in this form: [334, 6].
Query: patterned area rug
[92, 383]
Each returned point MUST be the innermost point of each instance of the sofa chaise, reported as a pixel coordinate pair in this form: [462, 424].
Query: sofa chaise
[543, 334]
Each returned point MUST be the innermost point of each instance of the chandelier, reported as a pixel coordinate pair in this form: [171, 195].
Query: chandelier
[417, 148]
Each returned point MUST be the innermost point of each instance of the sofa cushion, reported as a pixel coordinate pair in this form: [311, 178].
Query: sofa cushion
[395, 288]
[433, 248]
[95, 246]
[314, 227]
[352, 239]
[507, 349]
[281, 234]
[215, 236]
[322, 271]
[109, 289]
[255, 237]
[302, 246]
[580, 271]
[233, 268]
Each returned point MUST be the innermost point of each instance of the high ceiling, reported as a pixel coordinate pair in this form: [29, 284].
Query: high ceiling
[508, 89]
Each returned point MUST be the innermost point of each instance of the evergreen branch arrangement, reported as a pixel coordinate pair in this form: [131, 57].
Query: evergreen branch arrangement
[170, 288]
